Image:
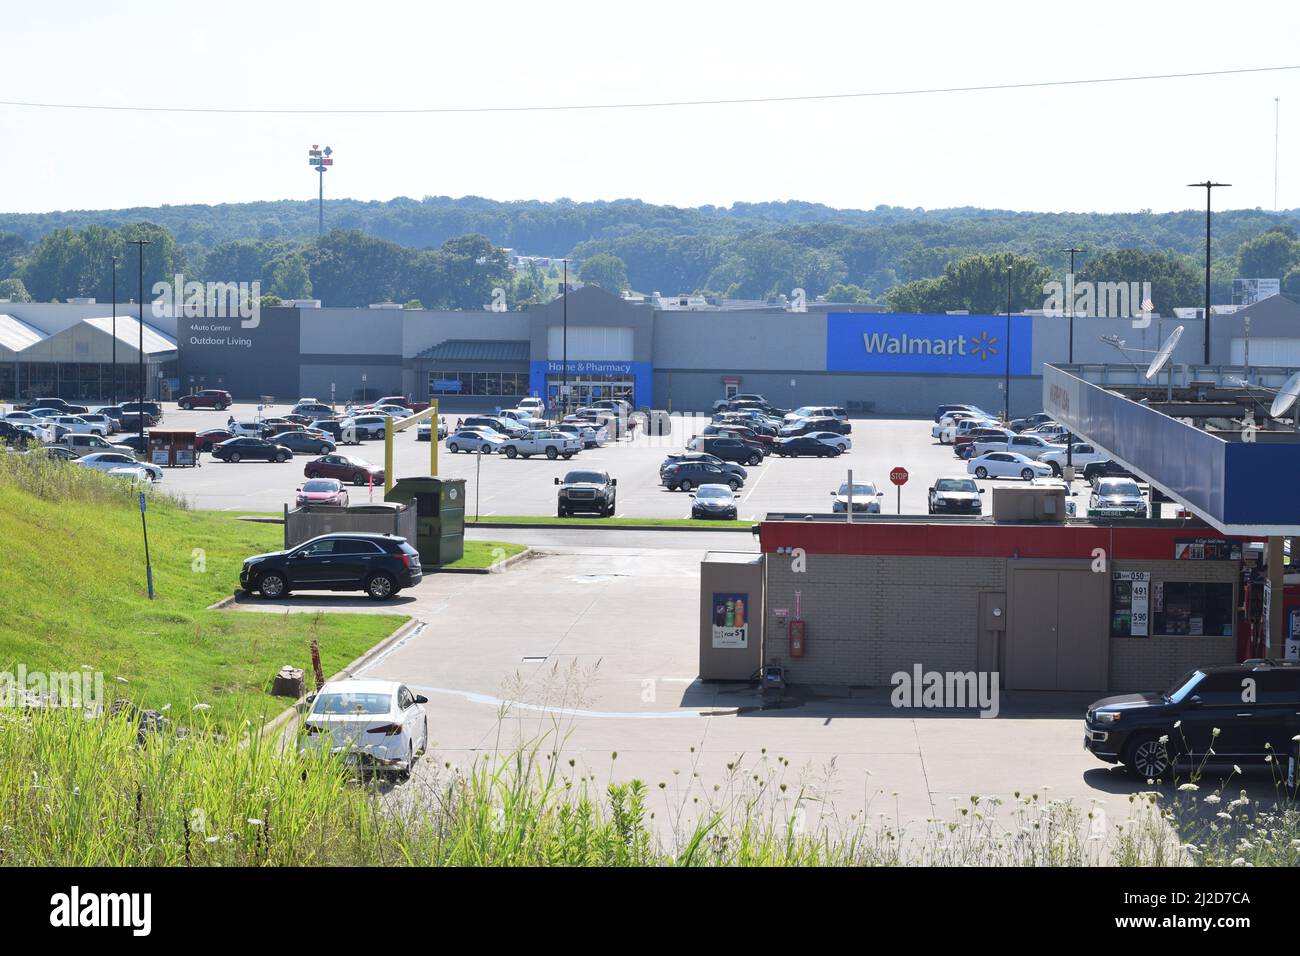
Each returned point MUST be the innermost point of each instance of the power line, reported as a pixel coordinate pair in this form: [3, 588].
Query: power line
[659, 104]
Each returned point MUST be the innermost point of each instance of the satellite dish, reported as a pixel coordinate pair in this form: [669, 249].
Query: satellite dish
[1166, 352]
[1286, 396]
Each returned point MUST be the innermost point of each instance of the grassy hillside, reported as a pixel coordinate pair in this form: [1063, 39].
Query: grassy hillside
[73, 584]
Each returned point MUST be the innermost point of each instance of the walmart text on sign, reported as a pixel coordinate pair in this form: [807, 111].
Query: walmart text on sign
[937, 344]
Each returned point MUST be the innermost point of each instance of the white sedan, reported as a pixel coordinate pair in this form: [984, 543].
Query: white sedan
[835, 439]
[1007, 464]
[376, 723]
[110, 460]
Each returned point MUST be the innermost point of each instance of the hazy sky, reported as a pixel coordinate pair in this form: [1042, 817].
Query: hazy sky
[1111, 147]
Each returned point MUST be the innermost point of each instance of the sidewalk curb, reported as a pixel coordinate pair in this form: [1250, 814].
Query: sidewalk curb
[742, 527]
[494, 569]
[412, 625]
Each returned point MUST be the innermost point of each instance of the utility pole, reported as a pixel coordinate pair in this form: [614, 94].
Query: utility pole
[144, 450]
[1277, 106]
[1209, 187]
[1006, 385]
[113, 386]
[564, 351]
[322, 159]
[1069, 298]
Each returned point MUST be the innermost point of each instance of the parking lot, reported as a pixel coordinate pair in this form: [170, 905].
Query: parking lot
[497, 487]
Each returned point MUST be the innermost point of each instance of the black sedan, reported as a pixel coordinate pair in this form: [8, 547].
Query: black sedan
[250, 449]
[379, 564]
[804, 445]
[304, 443]
[1224, 715]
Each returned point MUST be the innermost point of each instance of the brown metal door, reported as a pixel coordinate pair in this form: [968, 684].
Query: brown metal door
[1032, 630]
[1082, 659]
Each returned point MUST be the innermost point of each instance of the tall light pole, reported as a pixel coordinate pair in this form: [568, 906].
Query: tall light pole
[564, 349]
[1069, 295]
[1209, 187]
[1277, 107]
[322, 159]
[113, 387]
[1006, 384]
[140, 244]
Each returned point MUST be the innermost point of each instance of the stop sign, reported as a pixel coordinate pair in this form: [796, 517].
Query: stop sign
[898, 476]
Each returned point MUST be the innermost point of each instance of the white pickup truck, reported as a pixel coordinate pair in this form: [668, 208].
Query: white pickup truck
[88, 444]
[1031, 446]
[1081, 455]
[553, 444]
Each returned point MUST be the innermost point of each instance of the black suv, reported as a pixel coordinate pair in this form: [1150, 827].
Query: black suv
[11, 435]
[586, 491]
[1244, 712]
[685, 475]
[1106, 469]
[379, 564]
[729, 468]
[254, 449]
[301, 443]
[732, 449]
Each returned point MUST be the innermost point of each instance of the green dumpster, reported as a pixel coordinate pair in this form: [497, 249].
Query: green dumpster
[439, 516]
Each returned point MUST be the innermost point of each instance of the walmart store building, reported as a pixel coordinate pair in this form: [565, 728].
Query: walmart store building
[651, 355]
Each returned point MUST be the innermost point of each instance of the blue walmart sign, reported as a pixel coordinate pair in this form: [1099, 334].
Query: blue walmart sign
[937, 344]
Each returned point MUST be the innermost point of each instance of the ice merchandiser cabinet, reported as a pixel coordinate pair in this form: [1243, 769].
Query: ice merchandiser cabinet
[732, 613]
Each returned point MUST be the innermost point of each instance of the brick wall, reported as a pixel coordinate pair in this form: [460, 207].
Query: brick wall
[868, 617]
[1153, 663]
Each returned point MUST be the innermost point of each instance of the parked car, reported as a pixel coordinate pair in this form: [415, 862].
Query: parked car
[217, 398]
[60, 453]
[525, 418]
[341, 431]
[584, 433]
[586, 491]
[949, 434]
[744, 432]
[85, 444]
[600, 428]
[817, 411]
[714, 501]
[22, 417]
[1118, 496]
[41, 433]
[13, 434]
[500, 425]
[955, 496]
[803, 426]
[1030, 445]
[311, 408]
[728, 449]
[248, 429]
[973, 409]
[204, 440]
[1081, 453]
[841, 442]
[99, 418]
[250, 449]
[947, 422]
[729, 468]
[376, 724]
[546, 442]
[139, 445]
[1206, 717]
[476, 441]
[64, 407]
[963, 445]
[379, 564]
[685, 475]
[804, 445]
[370, 426]
[304, 443]
[78, 425]
[110, 460]
[321, 491]
[152, 410]
[424, 430]
[1029, 421]
[866, 498]
[1106, 469]
[344, 468]
[1006, 464]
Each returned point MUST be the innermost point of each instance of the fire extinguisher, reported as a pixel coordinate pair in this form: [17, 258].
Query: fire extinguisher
[797, 630]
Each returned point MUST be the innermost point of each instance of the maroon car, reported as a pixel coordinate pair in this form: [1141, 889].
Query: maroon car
[217, 398]
[344, 468]
[205, 439]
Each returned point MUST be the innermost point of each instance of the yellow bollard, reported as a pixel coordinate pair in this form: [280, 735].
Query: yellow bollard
[388, 454]
[433, 440]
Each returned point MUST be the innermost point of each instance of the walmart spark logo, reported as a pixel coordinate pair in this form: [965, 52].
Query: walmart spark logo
[984, 345]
